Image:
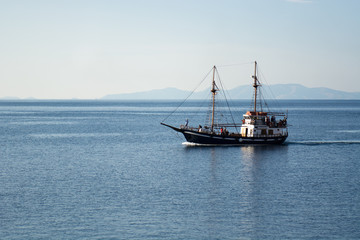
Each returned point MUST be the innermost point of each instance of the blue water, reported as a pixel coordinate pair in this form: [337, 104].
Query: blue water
[109, 170]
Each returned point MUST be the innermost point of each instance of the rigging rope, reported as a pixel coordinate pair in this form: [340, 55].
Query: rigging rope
[227, 103]
[272, 95]
[188, 96]
[237, 64]
[261, 102]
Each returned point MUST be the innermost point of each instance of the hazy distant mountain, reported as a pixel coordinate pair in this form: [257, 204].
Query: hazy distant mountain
[9, 98]
[16, 98]
[278, 91]
[166, 93]
[297, 91]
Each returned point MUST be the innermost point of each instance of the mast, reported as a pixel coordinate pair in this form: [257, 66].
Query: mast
[213, 90]
[255, 85]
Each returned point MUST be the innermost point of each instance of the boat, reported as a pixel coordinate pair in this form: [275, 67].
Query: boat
[255, 127]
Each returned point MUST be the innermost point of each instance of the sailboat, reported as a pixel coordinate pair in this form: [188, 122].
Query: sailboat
[256, 127]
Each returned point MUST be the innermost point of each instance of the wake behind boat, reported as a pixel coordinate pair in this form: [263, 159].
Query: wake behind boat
[256, 127]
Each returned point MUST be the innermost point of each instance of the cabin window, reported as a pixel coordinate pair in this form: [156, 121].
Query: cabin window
[271, 132]
[263, 131]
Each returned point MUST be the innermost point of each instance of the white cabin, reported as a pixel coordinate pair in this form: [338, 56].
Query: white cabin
[262, 124]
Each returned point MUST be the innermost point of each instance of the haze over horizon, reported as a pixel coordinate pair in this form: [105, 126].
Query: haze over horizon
[89, 49]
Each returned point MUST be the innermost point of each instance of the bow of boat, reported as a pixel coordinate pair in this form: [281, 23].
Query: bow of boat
[172, 127]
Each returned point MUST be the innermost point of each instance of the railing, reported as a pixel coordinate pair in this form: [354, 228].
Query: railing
[268, 135]
[198, 129]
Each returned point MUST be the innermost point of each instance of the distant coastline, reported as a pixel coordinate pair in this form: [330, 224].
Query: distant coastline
[279, 91]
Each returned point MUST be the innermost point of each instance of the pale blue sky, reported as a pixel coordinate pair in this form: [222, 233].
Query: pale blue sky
[88, 49]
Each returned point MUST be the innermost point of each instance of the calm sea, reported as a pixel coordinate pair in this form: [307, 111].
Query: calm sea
[109, 170]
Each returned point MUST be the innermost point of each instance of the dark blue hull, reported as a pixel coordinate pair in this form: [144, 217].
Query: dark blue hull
[213, 139]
